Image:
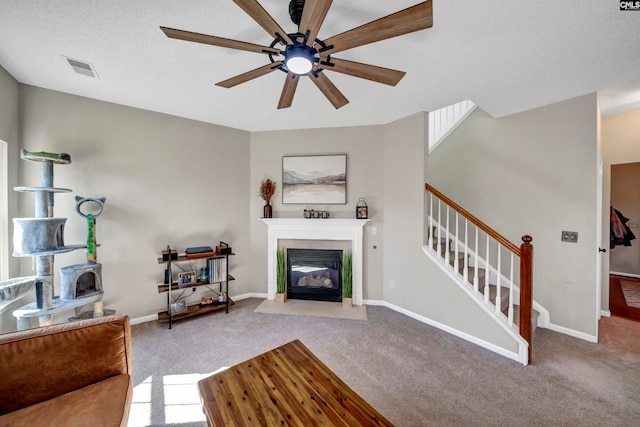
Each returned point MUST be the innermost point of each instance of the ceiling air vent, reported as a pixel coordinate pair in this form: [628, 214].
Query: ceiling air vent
[82, 67]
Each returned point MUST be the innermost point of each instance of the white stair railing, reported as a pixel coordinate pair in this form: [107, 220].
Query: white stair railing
[443, 121]
[495, 273]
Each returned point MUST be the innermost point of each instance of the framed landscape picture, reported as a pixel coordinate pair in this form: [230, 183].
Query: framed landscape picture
[320, 180]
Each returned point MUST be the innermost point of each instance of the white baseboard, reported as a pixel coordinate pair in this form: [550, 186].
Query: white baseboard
[484, 344]
[572, 332]
[372, 302]
[250, 295]
[605, 313]
[154, 317]
[144, 319]
[617, 273]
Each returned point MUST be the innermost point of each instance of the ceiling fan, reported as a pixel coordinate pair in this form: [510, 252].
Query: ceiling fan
[303, 54]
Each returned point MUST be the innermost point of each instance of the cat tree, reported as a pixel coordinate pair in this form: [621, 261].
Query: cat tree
[42, 237]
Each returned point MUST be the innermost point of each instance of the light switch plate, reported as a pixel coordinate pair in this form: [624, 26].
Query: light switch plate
[633, 224]
[570, 236]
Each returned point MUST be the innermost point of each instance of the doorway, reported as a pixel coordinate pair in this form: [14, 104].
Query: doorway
[624, 247]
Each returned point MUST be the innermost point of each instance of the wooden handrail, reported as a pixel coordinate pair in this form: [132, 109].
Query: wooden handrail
[481, 225]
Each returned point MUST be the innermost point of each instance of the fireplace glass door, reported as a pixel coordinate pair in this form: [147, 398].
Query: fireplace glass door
[314, 274]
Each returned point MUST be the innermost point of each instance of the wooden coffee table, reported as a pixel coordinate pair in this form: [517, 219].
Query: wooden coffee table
[287, 386]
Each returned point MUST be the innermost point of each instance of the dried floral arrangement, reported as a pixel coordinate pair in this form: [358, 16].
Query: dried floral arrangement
[267, 189]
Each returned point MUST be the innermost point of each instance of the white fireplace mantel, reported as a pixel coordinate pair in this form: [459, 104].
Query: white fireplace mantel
[316, 229]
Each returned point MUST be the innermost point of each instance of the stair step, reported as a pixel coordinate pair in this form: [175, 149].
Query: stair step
[534, 317]
[452, 251]
[443, 243]
[452, 256]
[470, 272]
[504, 296]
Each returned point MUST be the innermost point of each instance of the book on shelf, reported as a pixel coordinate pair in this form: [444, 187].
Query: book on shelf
[217, 270]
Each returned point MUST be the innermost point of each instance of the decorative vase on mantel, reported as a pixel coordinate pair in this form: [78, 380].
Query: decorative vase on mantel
[266, 192]
[267, 211]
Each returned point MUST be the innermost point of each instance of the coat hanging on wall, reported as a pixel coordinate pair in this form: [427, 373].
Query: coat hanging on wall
[620, 233]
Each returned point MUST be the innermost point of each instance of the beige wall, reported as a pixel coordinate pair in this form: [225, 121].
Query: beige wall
[625, 197]
[9, 123]
[419, 285]
[364, 149]
[534, 173]
[621, 138]
[166, 180]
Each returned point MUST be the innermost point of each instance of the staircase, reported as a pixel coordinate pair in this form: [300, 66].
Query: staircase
[494, 272]
[462, 260]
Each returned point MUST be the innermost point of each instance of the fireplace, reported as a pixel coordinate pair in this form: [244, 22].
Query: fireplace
[327, 230]
[314, 274]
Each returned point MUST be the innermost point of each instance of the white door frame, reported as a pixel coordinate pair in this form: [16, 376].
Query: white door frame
[599, 220]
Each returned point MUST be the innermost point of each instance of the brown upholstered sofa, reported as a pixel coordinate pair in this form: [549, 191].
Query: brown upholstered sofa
[71, 374]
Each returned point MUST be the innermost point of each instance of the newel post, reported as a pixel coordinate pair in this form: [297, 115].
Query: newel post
[526, 297]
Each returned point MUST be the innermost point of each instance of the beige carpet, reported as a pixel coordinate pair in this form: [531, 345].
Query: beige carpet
[313, 308]
[413, 374]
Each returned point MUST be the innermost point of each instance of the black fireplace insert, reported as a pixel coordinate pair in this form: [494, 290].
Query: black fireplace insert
[314, 274]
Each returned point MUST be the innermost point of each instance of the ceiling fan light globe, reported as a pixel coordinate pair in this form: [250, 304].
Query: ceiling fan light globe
[299, 65]
[299, 58]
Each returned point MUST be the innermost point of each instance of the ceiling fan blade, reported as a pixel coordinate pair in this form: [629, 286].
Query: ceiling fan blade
[250, 75]
[330, 91]
[217, 41]
[386, 76]
[406, 21]
[257, 12]
[289, 89]
[313, 16]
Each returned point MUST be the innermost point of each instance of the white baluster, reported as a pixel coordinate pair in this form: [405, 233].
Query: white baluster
[430, 240]
[456, 265]
[432, 133]
[486, 273]
[465, 272]
[510, 314]
[475, 269]
[446, 243]
[439, 245]
[498, 281]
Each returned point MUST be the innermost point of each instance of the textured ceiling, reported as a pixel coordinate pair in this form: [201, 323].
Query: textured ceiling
[506, 56]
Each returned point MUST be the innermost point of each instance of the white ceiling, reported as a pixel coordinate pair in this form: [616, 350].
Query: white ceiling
[506, 56]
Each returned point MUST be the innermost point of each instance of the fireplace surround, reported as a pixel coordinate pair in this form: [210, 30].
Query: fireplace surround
[333, 229]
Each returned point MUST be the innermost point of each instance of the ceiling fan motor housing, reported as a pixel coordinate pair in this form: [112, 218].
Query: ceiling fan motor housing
[295, 10]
